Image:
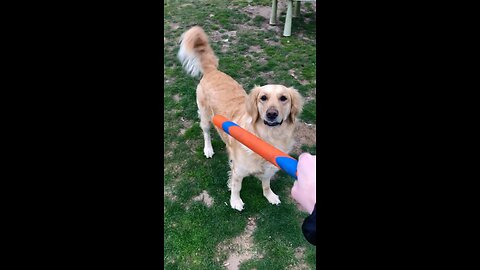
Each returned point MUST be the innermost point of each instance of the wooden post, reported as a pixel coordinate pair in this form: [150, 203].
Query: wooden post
[273, 16]
[296, 8]
[287, 31]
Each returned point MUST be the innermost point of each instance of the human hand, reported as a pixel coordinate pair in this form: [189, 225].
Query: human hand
[304, 189]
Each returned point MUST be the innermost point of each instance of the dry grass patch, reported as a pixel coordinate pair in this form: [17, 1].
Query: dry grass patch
[241, 248]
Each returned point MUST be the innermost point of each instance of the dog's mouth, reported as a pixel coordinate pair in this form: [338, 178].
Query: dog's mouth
[272, 124]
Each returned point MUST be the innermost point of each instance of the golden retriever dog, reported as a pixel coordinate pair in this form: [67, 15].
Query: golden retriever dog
[269, 112]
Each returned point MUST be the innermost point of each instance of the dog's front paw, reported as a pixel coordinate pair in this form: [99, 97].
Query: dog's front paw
[272, 197]
[236, 203]
[208, 151]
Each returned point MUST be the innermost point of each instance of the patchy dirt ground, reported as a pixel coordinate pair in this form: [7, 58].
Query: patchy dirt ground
[255, 49]
[292, 73]
[241, 248]
[186, 125]
[176, 97]
[226, 39]
[300, 256]
[174, 26]
[305, 134]
[253, 11]
[205, 198]
[217, 36]
[269, 77]
[168, 192]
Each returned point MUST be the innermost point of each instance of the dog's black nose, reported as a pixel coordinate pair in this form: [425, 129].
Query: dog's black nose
[272, 114]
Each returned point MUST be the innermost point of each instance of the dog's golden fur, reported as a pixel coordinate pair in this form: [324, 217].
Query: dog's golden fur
[269, 112]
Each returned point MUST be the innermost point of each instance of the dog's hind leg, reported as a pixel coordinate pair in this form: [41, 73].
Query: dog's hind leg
[205, 117]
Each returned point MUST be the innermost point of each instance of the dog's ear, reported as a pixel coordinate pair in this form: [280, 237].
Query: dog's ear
[296, 103]
[251, 103]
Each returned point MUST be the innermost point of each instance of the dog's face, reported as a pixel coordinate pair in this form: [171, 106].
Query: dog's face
[274, 104]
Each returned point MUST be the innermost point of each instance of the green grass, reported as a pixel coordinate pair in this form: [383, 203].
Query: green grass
[193, 235]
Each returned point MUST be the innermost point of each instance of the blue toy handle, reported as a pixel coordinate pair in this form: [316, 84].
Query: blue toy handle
[289, 165]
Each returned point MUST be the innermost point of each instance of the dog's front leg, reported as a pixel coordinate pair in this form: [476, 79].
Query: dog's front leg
[235, 182]
[269, 171]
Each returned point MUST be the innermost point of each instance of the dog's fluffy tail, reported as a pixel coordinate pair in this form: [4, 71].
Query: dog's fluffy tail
[195, 52]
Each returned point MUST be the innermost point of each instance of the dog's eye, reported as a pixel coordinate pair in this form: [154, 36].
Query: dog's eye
[283, 98]
[263, 98]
